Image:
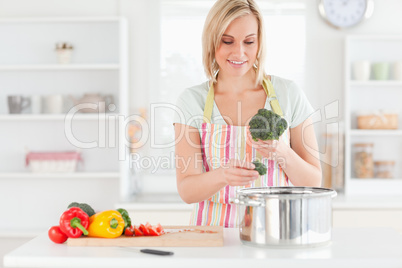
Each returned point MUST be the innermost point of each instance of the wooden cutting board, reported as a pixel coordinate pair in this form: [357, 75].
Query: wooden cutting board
[190, 236]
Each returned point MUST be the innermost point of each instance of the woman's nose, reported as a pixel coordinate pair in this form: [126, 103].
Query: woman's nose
[238, 49]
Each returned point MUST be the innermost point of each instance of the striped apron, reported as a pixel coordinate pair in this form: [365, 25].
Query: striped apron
[219, 143]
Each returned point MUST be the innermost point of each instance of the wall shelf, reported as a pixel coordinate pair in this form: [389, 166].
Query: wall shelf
[59, 67]
[57, 117]
[375, 132]
[375, 83]
[59, 19]
[74, 175]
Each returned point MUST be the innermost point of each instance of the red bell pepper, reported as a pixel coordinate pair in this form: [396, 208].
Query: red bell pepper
[74, 222]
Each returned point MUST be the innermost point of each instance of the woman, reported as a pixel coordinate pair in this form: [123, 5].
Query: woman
[214, 148]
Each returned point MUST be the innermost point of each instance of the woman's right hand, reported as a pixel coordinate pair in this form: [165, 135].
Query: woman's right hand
[238, 173]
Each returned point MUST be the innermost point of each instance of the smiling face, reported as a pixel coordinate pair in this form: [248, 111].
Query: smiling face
[238, 48]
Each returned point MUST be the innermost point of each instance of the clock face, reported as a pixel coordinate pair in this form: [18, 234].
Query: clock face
[345, 13]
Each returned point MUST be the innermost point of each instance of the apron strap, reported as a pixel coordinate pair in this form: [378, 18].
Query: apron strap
[209, 104]
[269, 90]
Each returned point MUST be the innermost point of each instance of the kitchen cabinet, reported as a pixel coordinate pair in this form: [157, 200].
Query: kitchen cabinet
[382, 95]
[29, 67]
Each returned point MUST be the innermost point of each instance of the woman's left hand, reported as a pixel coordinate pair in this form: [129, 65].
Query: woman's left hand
[270, 149]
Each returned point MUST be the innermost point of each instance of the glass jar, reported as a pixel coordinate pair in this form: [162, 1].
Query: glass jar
[384, 169]
[363, 160]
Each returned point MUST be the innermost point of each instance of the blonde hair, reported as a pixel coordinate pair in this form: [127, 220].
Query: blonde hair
[219, 17]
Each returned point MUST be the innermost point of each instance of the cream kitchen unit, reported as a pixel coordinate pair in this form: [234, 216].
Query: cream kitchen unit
[374, 87]
[30, 67]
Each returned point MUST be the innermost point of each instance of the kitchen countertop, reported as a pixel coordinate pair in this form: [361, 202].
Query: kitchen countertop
[369, 247]
[172, 201]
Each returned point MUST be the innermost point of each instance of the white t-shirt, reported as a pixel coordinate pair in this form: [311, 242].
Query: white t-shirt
[294, 104]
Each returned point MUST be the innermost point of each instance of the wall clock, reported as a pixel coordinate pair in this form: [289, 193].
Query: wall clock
[345, 13]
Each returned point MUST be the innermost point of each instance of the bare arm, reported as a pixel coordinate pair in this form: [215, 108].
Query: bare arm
[300, 163]
[193, 184]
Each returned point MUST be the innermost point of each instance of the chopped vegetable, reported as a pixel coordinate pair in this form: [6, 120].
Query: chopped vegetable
[144, 229]
[159, 228]
[85, 207]
[153, 231]
[260, 167]
[106, 224]
[73, 222]
[267, 125]
[138, 232]
[126, 217]
[129, 231]
[56, 235]
[149, 230]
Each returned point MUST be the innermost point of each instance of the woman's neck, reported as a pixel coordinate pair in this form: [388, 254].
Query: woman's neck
[235, 85]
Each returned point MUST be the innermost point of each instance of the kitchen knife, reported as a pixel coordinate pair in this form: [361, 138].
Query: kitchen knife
[149, 251]
[157, 252]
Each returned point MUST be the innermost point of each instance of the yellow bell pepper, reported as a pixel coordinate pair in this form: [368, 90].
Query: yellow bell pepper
[106, 224]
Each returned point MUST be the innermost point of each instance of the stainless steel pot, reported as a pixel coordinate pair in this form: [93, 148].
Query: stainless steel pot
[285, 216]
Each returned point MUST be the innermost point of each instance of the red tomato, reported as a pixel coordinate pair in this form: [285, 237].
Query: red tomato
[56, 235]
[138, 232]
[153, 232]
[144, 229]
[159, 228]
[129, 231]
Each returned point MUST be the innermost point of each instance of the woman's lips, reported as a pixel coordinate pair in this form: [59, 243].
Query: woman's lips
[237, 64]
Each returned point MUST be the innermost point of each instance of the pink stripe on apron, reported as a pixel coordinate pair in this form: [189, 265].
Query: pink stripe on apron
[200, 211]
[270, 172]
[228, 210]
[226, 156]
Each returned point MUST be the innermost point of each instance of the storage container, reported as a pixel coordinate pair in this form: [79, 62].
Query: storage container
[363, 160]
[380, 119]
[384, 169]
[44, 162]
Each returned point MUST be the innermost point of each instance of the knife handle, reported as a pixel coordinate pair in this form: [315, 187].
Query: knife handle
[156, 252]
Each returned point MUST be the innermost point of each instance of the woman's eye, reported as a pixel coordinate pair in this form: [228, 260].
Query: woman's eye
[227, 42]
[249, 43]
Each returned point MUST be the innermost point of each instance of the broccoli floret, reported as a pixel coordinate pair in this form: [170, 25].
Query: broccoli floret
[85, 207]
[267, 125]
[260, 167]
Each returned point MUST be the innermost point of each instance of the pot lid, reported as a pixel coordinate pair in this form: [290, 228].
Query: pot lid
[286, 192]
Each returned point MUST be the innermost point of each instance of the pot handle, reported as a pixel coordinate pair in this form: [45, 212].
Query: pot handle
[249, 202]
